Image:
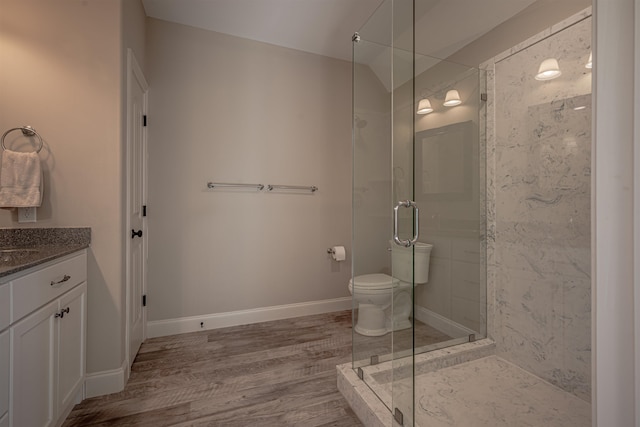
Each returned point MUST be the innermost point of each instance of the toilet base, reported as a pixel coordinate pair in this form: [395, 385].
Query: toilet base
[399, 324]
[375, 321]
[367, 330]
[370, 321]
[370, 332]
[402, 309]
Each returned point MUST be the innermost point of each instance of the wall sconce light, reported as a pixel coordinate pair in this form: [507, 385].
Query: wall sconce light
[548, 70]
[589, 63]
[452, 98]
[424, 106]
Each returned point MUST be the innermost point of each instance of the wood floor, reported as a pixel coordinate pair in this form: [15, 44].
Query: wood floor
[279, 373]
[394, 345]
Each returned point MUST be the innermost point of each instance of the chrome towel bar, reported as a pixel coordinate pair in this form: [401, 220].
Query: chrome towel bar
[311, 188]
[259, 187]
[26, 131]
[227, 184]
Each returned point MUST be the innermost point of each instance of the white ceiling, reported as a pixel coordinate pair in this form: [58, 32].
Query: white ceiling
[325, 27]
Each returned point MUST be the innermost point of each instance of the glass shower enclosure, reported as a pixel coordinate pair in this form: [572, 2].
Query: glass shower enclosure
[418, 269]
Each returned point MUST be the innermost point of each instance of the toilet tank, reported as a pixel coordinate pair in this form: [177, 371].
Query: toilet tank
[401, 262]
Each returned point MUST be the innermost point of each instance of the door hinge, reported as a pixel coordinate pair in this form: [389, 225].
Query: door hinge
[398, 416]
[144, 300]
[144, 120]
[144, 210]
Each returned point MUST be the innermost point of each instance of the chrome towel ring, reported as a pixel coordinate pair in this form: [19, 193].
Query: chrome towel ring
[26, 131]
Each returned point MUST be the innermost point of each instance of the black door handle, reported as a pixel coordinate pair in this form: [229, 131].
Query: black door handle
[135, 233]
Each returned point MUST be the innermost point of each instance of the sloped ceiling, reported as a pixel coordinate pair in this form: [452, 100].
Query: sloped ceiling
[325, 27]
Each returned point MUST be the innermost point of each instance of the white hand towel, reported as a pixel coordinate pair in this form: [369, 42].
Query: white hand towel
[20, 180]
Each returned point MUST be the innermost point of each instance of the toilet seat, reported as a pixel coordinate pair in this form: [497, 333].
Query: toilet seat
[371, 282]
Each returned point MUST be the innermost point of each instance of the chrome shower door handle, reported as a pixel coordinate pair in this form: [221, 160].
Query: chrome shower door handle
[409, 242]
[396, 238]
[416, 225]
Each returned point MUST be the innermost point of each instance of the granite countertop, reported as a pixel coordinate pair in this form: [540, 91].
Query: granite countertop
[23, 248]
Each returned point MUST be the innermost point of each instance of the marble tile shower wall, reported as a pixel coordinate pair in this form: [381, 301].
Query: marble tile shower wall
[539, 240]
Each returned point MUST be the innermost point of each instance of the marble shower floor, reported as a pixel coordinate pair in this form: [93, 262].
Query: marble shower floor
[493, 392]
[486, 392]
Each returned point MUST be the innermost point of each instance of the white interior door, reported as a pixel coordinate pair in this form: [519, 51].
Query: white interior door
[136, 198]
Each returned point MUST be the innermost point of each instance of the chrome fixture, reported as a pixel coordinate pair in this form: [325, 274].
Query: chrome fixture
[26, 131]
[311, 188]
[406, 204]
[227, 184]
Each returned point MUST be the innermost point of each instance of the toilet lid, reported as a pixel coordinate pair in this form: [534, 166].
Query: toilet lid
[374, 281]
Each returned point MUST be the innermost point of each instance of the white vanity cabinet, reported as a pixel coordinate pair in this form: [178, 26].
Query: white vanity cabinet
[71, 346]
[33, 371]
[5, 354]
[4, 378]
[47, 341]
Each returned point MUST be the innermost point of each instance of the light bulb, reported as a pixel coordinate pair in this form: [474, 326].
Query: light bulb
[424, 106]
[452, 99]
[548, 70]
[590, 61]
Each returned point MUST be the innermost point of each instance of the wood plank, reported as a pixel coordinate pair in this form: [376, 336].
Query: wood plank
[272, 373]
[278, 373]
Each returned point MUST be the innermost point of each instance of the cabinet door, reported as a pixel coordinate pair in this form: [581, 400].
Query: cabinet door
[71, 345]
[33, 345]
[4, 374]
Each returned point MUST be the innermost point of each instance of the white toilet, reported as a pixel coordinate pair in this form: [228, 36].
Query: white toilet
[373, 292]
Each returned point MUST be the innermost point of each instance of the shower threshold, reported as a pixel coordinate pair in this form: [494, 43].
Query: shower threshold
[462, 386]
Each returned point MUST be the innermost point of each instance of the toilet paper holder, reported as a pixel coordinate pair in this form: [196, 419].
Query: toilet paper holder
[338, 253]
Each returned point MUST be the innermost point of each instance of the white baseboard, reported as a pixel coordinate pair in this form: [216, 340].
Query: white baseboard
[105, 382]
[161, 328]
[441, 323]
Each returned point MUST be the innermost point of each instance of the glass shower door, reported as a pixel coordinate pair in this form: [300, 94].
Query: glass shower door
[384, 214]
[419, 275]
[406, 211]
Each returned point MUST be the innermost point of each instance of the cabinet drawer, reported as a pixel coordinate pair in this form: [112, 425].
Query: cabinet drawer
[34, 290]
[5, 304]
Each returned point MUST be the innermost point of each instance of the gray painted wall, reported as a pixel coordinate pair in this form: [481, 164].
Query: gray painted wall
[61, 74]
[228, 109]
